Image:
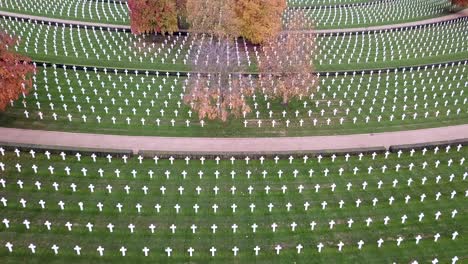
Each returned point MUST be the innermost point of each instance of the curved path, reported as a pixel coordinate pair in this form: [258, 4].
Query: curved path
[460, 14]
[232, 145]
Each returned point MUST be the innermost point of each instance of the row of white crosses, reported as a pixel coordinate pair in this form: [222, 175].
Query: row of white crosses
[280, 173]
[191, 252]
[341, 105]
[194, 228]
[31, 153]
[380, 12]
[234, 208]
[98, 11]
[104, 44]
[234, 228]
[356, 170]
[247, 160]
[97, 100]
[324, 16]
[233, 190]
[130, 95]
[314, 3]
[433, 37]
[394, 45]
[84, 171]
[215, 208]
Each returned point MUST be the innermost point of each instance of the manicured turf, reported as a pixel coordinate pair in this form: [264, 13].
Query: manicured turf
[79, 101]
[428, 91]
[316, 3]
[224, 239]
[442, 43]
[379, 13]
[109, 12]
[321, 13]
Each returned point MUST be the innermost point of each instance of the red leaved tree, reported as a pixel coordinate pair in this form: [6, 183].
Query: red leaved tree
[15, 72]
[153, 16]
[462, 3]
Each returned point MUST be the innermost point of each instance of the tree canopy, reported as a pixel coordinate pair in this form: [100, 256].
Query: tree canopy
[286, 69]
[154, 16]
[460, 2]
[213, 17]
[260, 20]
[15, 72]
[255, 20]
[217, 89]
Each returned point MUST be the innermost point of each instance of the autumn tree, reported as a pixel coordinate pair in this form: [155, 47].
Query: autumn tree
[217, 89]
[15, 72]
[214, 17]
[462, 3]
[181, 7]
[286, 69]
[153, 16]
[259, 20]
[255, 20]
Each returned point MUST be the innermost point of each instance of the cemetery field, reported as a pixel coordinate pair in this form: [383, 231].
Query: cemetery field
[319, 14]
[114, 12]
[312, 3]
[357, 51]
[413, 202]
[136, 104]
[400, 205]
[404, 204]
[378, 13]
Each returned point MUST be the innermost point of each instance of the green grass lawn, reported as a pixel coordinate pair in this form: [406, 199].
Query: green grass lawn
[324, 17]
[440, 43]
[224, 239]
[380, 13]
[425, 91]
[89, 11]
[315, 3]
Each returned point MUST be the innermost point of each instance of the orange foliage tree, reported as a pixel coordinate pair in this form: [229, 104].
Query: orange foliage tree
[255, 20]
[286, 68]
[260, 20]
[216, 89]
[153, 16]
[15, 72]
[213, 17]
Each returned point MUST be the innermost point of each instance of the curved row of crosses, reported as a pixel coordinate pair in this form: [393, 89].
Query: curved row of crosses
[152, 102]
[352, 51]
[321, 15]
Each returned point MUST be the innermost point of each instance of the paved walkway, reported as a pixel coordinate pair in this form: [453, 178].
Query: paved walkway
[232, 145]
[462, 13]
